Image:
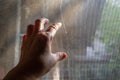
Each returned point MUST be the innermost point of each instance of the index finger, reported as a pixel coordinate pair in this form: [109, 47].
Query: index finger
[53, 29]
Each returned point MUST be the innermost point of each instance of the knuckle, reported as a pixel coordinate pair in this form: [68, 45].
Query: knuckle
[43, 35]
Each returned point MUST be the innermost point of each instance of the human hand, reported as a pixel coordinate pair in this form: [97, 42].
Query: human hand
[36, 54]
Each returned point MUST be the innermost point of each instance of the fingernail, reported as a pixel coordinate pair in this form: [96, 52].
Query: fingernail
[24, 37]
[65, 56]
[59, 24]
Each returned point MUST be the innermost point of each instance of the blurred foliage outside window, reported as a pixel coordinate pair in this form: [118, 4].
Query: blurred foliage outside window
[109, 29]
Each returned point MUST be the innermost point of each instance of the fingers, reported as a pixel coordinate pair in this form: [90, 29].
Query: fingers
[23, 45]
[30, 30]
[53, 29]
[39, 24]
[24, 39]
[60, 56]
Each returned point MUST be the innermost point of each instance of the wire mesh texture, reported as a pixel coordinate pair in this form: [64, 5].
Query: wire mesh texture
[90, 35]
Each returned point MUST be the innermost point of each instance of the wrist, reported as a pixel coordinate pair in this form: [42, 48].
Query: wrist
[30, 70]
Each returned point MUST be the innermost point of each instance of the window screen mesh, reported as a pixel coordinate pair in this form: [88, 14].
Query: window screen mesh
[90, 35]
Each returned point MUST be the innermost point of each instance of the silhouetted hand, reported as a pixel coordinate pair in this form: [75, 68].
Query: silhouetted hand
[36, 48]
[36, 55]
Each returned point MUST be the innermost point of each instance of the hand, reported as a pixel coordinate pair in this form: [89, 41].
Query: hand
[36, 55]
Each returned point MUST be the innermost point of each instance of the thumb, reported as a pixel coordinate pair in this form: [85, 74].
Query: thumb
[60, 56]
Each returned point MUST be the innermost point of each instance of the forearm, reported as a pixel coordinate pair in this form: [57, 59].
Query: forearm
[18, 74]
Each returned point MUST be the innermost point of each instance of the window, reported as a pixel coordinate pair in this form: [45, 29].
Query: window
[90, 35]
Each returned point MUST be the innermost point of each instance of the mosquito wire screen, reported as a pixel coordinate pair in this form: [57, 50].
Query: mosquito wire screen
[90, 35]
